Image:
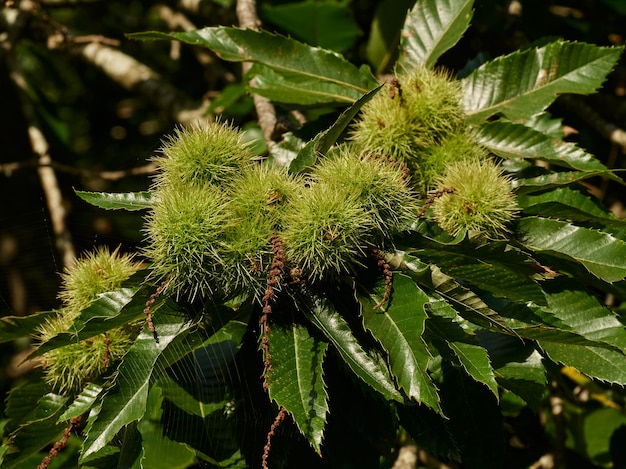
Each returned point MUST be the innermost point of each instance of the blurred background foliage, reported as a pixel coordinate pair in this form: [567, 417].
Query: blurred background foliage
[102, 127]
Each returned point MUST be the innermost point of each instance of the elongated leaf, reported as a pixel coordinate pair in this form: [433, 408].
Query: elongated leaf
[475, 362]
[296, 380]
[324, 140]
[469, 305]
[126, 403]
[42, 428]
[595, 362]
[585, 314]
[518, 366]
[160, 452]
[511, 140]
[83, 402]
[451, 335]
[14, 327]
[384, 35]
[504, 274]
[110, 310]
[524, 83]
[431, 28]
[365, 366]
[323, 76]
[117, 201]
[19, 403]
[602, 254]
[466, 302]
[399, 327]
[552, 180]
[567, 204]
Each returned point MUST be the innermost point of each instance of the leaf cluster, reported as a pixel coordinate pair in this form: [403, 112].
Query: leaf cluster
[434, 337]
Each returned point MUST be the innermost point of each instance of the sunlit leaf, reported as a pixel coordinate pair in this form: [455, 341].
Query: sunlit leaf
[524, 83]
[602, 254]
[365, 366]
[511, 140]
[117, 201]
[309, 154]
[505, 274]
[323, 76]
[567, 204]
[83, 402]
[552, 180]
[126, 402]
[431, 28]
[399, 326]
[296, 380]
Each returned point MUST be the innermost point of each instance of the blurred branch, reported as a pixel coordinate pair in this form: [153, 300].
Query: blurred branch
[607, 129]
[246, 14]
[66, 3]
[9, 168]
[176, 20]
[135, 76]
[38, 142]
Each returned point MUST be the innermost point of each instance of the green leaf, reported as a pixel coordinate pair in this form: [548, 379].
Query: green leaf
[308, 155]
[518, 366]
[159, 451]
[469, 305]
[296, 380]
[117, 201]
[326, 24]
[451, 335]
[431, 28]
[567, 204]
[321, 75]
[110, 310]
[552, 180]
[584, 314]
[361, 361]
[496, 269]
[15, 327]
[595, 362]
[19, 403]
[126, 403]
[475, 362]
[41, 428]
[511, 140]
[83, 402]
[384, 34]
[524, 83]
[602, 254]
[398, 327]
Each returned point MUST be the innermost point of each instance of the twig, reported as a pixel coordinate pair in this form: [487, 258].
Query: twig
[282, 413]
[556, 409]
[59, 445]
[266, 114]
[40, 147]
[273, 279]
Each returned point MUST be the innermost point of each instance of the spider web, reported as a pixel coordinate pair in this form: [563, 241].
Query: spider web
[208, 400]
